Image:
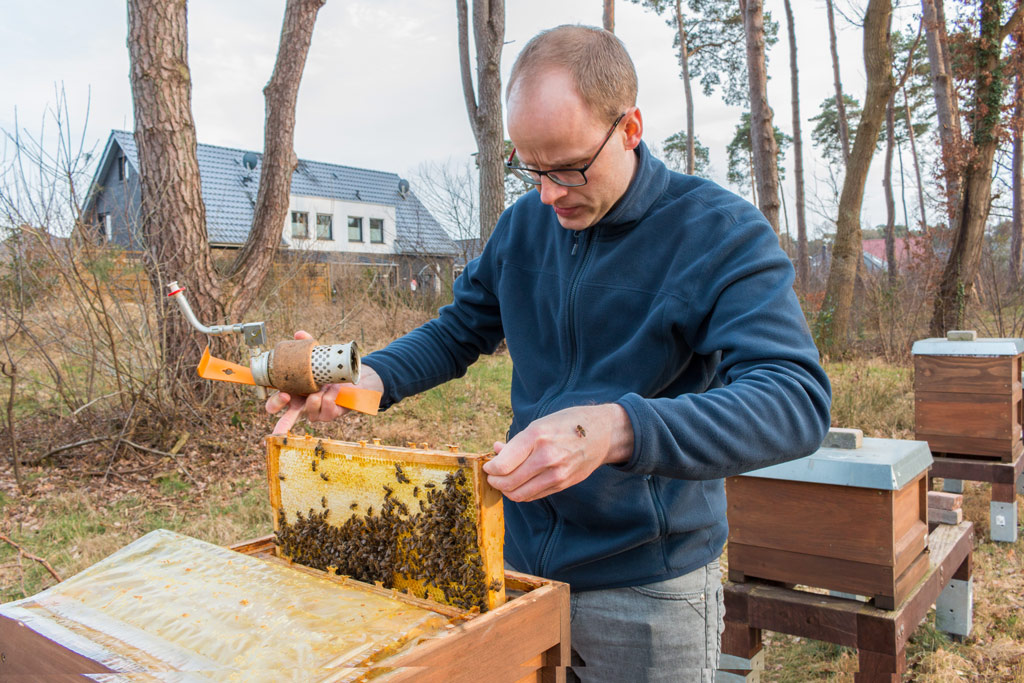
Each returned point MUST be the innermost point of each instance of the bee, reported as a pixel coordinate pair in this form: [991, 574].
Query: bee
[390, 491]
[580, 431]
[323, 501]
[415, 491]
[323, 475]
[353, 506]
[281, 477]
[312, 466]
[429, 485]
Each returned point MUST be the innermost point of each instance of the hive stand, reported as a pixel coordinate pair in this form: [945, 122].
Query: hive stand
[1003, 517]
[968, 406]
[880, 636]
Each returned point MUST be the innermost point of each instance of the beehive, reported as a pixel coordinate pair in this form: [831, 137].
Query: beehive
[170, 607]
[967, 396]
[851, 519]
[421, 521]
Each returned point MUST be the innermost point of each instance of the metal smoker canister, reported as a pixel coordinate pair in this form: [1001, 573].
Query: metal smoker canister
[301, 367]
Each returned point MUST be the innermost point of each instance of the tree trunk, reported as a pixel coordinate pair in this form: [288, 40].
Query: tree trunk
[484, 105]
[965, 256]
[890, 202]
[917, 164]
[281, 93]
[762, 137]
[844, 131]
[946, 110]
[609, 15]
[847, 249]
[173, 214]
[174, 228]
[684, 65]
[802, 260]
[1017, 181]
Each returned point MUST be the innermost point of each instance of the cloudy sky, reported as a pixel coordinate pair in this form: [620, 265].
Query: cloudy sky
[381, 88]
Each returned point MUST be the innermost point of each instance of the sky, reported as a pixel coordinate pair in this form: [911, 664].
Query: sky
[381, 87]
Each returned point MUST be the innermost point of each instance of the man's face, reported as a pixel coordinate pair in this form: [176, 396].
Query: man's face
[551, 127]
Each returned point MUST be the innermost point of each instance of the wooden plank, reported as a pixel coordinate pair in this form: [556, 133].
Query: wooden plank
[965, 374]
[1003, 449]
[860, 578]
[881, 630]
[497, 642]
[942, 500]
[1004, 493]
[29, 656]
[808, 615]
[910, 545]
[740, 640]
[983, 416]
[773, 514]
[906, 581]
[873, 667]
[978, 470]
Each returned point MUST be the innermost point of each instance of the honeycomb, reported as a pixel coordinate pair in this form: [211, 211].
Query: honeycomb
[412, 519]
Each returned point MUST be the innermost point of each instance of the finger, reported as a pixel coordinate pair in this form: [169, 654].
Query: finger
[498, 445]
[543, 484]
[512, 455]
[302, 334]
[277, 401]
[314, 403]
[290, 416]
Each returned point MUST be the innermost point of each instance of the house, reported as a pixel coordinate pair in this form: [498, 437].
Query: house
[906, 250]
[337, 213]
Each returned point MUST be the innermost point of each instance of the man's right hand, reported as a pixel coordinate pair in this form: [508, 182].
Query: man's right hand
[317, 407]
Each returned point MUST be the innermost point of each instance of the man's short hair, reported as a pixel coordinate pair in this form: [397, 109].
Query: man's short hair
[596, 60]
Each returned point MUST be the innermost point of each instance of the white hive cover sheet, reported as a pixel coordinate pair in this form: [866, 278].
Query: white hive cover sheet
[172, 608]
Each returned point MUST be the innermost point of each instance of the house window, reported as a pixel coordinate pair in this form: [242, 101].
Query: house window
[377, 230]
[121, 168]
[355, 229]
[300, 224]
[324, 226]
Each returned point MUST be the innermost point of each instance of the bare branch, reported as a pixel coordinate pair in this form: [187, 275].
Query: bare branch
[24, 553]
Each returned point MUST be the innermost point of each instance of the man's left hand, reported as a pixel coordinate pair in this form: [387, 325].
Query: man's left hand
[560, 450]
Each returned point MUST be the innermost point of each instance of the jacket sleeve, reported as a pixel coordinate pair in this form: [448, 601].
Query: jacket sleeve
[442, 349]
[772, 400]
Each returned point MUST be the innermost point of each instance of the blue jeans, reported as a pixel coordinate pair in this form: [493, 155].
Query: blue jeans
[665, 631]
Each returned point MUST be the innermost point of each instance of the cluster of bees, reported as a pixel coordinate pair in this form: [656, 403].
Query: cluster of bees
[436, 544]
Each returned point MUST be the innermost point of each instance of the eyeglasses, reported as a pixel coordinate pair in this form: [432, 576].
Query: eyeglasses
[566, 177]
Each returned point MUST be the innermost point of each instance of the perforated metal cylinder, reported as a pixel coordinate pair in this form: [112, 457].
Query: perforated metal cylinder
[335, 363]
[300, 366]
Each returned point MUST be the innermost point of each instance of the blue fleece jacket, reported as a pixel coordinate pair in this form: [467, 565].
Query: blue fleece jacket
[678, 305]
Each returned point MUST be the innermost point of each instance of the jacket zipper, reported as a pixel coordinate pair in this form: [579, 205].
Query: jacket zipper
[570, 307]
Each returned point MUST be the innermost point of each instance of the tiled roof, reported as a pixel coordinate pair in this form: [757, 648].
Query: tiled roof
[229, 192]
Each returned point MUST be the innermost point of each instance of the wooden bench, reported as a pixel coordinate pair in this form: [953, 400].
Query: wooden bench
[880, 636]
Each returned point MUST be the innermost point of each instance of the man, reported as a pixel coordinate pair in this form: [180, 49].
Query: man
[657, 348]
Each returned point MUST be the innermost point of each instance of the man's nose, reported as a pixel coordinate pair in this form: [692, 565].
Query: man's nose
[550, 191]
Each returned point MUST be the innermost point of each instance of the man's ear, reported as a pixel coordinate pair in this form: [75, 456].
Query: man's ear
[633, 127]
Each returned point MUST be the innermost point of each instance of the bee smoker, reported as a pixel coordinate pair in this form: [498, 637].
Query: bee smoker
[295, 366]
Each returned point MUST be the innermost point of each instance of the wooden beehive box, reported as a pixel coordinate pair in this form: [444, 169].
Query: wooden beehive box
[967, 396]
[417, 520]
[169, 607]
[848, 519]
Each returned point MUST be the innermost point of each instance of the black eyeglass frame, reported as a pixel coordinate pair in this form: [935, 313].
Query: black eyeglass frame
[524, 172]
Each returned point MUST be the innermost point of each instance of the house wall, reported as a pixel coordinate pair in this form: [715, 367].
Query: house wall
[117, 206]
[340, 210]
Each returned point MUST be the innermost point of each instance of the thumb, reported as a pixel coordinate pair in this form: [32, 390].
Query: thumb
[509, 457]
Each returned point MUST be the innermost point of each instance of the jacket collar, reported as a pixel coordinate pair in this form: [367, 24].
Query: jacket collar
[649, 181]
